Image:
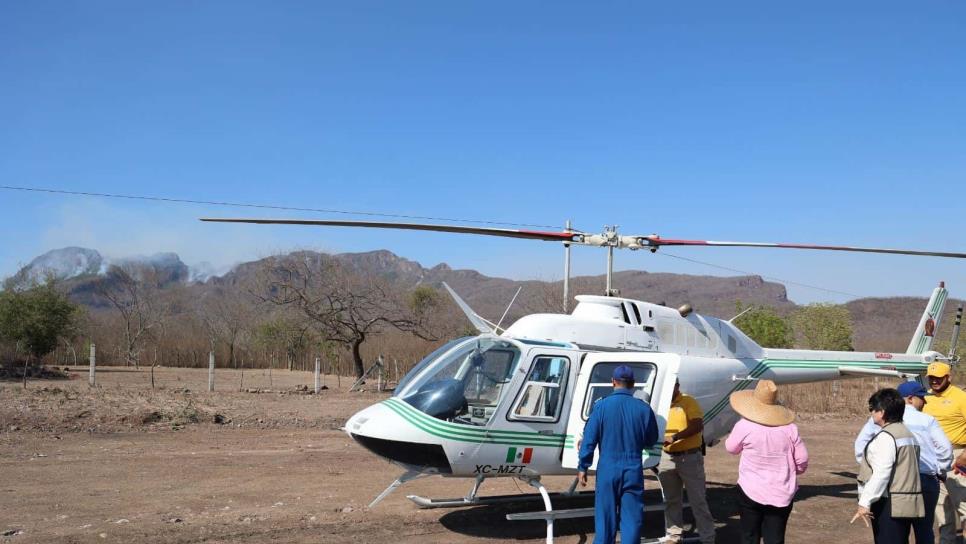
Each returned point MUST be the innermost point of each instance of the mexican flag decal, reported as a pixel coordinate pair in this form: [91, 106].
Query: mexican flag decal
[524, 455]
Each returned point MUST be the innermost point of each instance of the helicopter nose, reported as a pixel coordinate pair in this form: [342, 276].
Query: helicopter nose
[386, 434]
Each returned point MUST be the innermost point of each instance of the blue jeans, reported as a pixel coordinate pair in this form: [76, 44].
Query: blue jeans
[930, 496]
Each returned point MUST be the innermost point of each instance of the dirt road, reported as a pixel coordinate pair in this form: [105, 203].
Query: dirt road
[310, 483]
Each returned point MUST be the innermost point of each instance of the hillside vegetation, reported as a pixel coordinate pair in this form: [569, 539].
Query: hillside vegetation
[286, 310]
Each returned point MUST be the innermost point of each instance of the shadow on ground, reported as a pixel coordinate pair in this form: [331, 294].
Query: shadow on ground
[14, 373]
[490, 521]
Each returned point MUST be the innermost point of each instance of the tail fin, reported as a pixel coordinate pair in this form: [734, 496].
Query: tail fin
[929, 323]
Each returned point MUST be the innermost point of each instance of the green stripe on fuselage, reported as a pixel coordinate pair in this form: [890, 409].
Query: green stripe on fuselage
[470, 435]
[466, 428]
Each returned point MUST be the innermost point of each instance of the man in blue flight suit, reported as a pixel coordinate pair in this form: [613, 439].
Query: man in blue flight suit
[623, 427]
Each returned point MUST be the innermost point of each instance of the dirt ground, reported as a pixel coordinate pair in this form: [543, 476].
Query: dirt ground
[125, 463]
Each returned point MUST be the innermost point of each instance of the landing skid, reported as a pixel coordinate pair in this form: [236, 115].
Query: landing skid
[473, 499]
[427, 503]
[549, 514]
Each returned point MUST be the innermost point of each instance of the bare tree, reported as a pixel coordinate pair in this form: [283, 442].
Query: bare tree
[228, 315]
[346, 306]
[135, 295]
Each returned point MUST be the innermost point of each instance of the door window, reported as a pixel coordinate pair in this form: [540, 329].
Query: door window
[600, 383]
[543, 391]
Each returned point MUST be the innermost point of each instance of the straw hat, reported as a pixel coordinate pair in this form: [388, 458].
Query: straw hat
[761, 405]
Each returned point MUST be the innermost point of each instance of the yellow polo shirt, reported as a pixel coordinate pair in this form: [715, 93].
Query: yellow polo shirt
[949, 409]
[683, 409]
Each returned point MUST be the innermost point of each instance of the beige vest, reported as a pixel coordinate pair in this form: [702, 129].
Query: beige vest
[904, 489]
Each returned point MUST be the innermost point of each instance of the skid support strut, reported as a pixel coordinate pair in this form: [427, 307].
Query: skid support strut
[535, 482]
[405, 477]
[572, 490]
[476, 489]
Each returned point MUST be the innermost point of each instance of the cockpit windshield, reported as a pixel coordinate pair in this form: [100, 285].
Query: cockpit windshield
[465, 382]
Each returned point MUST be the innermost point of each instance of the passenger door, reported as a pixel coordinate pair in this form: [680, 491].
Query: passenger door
[655, 375]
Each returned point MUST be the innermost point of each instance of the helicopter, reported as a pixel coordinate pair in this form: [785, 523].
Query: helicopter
[512, 402]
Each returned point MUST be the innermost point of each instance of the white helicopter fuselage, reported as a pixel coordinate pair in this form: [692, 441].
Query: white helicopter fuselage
[514, 404]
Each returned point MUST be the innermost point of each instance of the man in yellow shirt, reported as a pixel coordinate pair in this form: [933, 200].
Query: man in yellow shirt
[948, 405]
[682, 467]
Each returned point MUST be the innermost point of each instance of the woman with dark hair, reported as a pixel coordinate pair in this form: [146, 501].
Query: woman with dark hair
[890, 493]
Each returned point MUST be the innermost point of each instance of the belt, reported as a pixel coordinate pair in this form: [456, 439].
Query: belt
[685, 452]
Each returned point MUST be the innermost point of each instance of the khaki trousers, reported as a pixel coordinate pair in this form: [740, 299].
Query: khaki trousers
[677, 474]
[952, 501]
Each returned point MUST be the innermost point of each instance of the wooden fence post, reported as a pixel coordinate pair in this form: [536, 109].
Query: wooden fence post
[211, 371]
[318, 373]
[93, 363]
[381, 370]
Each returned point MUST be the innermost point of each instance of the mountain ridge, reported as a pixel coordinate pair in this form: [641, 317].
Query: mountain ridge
[885, 322]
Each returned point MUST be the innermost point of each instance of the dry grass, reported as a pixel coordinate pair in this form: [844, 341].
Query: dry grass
[840, 397]
[124, 401]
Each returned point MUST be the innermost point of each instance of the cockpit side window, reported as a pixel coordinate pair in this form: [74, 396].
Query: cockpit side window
[427, 360]
[465, 383]
[543, 392]
[489, 372]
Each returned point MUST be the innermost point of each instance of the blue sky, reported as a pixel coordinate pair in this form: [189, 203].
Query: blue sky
[822, 122]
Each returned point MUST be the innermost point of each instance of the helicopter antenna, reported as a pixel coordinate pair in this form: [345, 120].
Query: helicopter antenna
[512, 300]
[566, 282]
[743, 312]
[955, 339]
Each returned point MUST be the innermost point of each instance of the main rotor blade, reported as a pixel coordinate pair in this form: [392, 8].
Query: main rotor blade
[652, 242]
[656, 241]
[507, 233]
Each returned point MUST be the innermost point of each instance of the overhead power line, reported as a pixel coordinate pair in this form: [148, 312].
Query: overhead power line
[378, 214]
[264, 206]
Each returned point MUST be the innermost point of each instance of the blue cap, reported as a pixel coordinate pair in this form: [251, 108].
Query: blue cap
[911, 389]
[623, 373]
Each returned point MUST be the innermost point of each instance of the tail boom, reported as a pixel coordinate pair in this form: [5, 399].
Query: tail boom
[786, 366]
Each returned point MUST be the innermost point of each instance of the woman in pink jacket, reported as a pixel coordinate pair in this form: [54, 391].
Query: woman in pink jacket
[772, 457]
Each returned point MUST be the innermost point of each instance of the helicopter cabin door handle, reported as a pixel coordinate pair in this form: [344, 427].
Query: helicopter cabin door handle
[545, 431]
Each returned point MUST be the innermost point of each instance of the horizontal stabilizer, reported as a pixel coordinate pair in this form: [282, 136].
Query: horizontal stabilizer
[872, 372]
